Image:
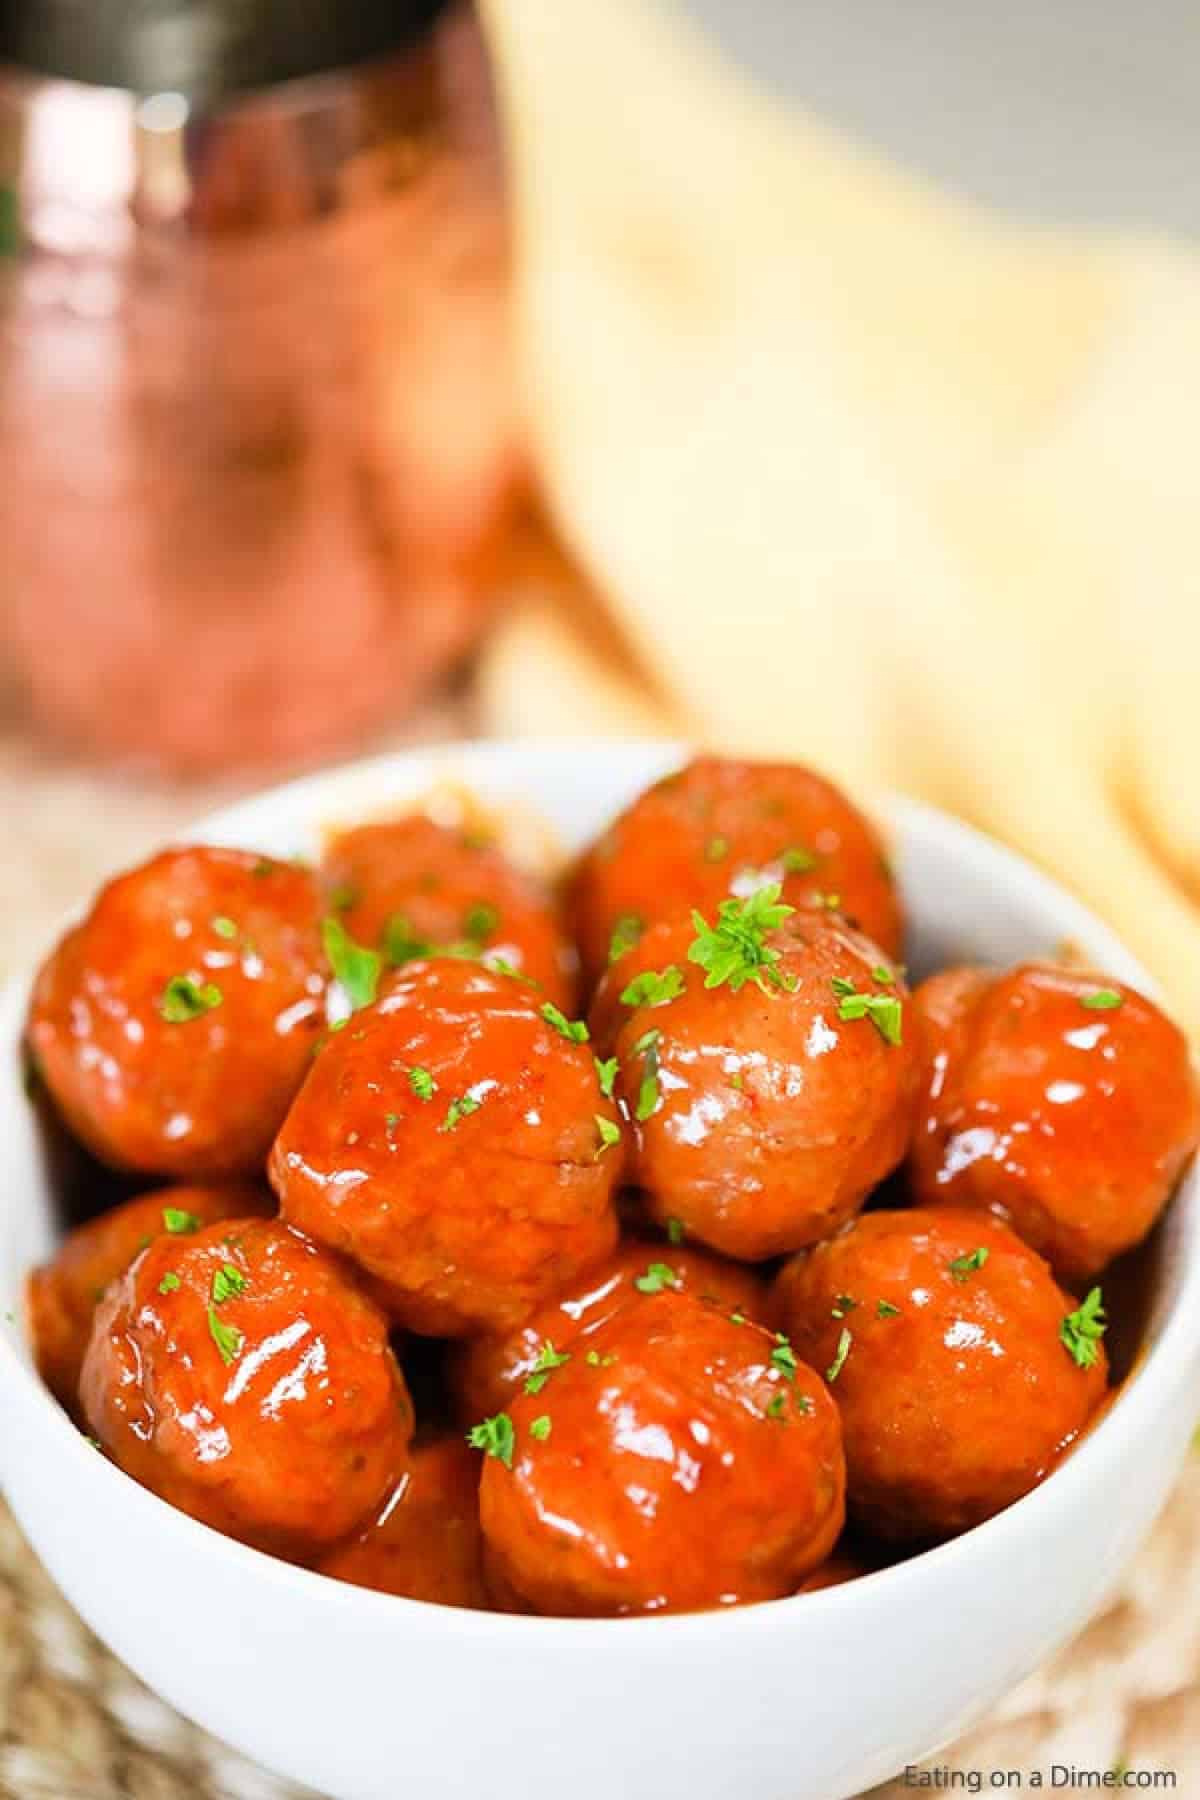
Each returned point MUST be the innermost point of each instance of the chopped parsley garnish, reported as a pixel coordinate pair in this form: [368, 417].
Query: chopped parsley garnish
[184, 999]
[176, 1221]
[885, 1310]
[735, 949]
[783, 1358]
[422, 1083]
[170, 1283]
[574, 1030]
[963, 1266]
[658, 1276]
[390, 1122]
[839, 1356]
[1082, 1330]
[462, 1108]
[648, 1095]
[227, 1338]
[606, 1075]
[626, 933]
[355, 967]
[480, 922]
[843, 1304]
[797, 860]
[654, 987]
[548, 1359]
[610, 1133]
[883, 1010]
[226, 1282]
[737, 1318]
[1102, 1000]
[675, 1231]
[494, 1437]
[224, 927]
[500, 965]
[343, 897]
[716, 849]
[776, 1405]
[401, 944]
[594, 1360]
[883, 976]
[539, 1428]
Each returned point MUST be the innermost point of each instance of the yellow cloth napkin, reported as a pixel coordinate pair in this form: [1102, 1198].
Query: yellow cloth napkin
[865, 476]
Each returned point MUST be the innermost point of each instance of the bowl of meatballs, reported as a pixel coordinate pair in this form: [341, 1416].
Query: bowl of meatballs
[590, 1268]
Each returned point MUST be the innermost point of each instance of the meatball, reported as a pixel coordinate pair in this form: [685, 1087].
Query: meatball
[763, 1114]
[425, 1543]
[63, 1293]
[960, 1369]
[486, 1372]
[175, 1023]
[685, 1462]
[717, 828]
[412, 887]
[455, 1142]
[1066, 1104]
[240, 1373]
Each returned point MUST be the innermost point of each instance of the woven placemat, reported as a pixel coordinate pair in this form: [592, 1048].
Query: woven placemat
[76, 1725]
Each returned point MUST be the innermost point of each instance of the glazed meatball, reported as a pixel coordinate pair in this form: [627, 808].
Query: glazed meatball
[1065, 1103]
[685, 1462]
[411, 887]
[454, 1141]
[175, 1023]
[762, 1114]
[960, 1369]
[62, 1294]
[485, 1373]
[240, 1373]
[425, 1543]
[717, 828]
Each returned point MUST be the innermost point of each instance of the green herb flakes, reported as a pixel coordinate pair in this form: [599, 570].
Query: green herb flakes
[1102, 1000]
[625, 934]
[495, 1437]
[574, 1030]
[735, 949]
[227, 1338]
[1082, 1330]
[183, 999]
[658, 1276]
[606, 1075]
[839, 1356]
[356, 968]
[964, 1266]
[654, 987]
[548, 1359]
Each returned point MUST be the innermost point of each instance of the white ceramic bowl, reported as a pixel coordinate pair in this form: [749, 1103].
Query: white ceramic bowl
[367, 1697]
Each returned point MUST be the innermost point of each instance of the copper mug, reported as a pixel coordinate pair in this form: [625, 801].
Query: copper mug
[256, 423]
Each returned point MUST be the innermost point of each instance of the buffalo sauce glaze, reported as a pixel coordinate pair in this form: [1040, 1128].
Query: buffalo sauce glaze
[636, 1442]
[762, 1116]
[1060, 1101]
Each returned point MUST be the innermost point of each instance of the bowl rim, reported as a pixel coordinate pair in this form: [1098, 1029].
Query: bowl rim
[1173, 1351]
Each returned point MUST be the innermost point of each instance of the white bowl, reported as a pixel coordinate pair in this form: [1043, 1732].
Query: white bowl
[367, 1697]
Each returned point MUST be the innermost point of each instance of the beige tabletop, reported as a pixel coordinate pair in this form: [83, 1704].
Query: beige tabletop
[76, 1725]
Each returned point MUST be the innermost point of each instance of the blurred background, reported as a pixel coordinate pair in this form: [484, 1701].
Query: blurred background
[1071, 112]
[392, 372]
